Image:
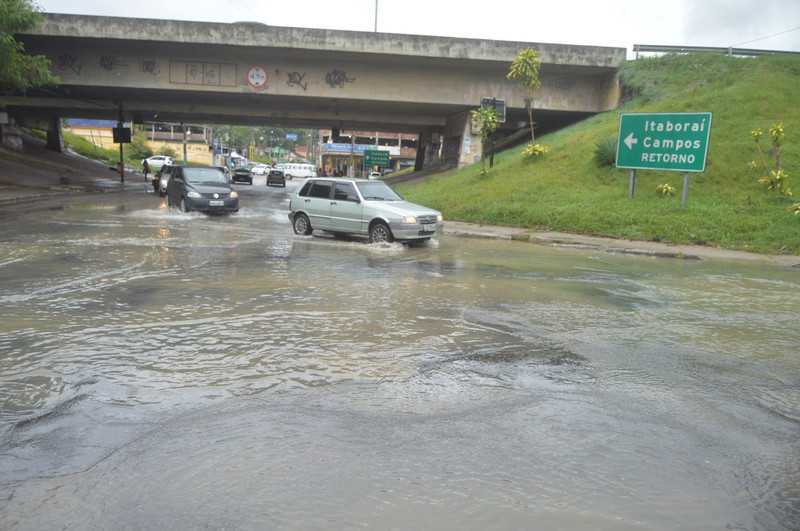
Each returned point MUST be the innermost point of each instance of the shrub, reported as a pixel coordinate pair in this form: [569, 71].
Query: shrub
[774, 180]
[486, 120]
[795, 209]
[534, 151]
[777, 181]
[665, 190]
[167, 151]
[605, 152]
[138, 148]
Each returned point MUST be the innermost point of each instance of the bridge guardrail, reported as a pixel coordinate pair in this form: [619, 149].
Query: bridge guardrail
[730, 51]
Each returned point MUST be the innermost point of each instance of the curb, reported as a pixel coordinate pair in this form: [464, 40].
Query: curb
[66, 194]
[24, 200]
[612, 246]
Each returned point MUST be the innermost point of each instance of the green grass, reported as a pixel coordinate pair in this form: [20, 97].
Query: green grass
[567, 191]
[83, 147]
[80, 145]
[398, 173]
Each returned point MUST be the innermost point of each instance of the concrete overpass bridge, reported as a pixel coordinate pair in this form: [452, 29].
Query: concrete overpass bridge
[250, 73]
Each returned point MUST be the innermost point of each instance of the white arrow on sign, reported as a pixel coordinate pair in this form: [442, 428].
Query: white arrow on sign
[630, 140]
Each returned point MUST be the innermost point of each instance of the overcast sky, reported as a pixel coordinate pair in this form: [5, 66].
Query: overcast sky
[608, 23]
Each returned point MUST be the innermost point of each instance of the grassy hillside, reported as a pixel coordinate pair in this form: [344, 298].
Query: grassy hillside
[567, 191]
[110, 157]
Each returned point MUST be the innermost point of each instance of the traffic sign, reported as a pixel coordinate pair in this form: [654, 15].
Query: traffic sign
[663, 141]
[376, 157]
[499, 107]
[121, 135]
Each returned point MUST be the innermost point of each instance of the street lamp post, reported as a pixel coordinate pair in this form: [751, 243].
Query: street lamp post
[376, 16]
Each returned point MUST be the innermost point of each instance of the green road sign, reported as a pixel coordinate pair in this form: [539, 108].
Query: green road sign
[663, 141]
[376, 157]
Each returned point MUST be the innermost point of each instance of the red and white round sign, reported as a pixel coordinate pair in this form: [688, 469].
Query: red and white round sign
[257, 77]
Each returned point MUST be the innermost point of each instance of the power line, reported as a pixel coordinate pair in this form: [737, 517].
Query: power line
[768, 36]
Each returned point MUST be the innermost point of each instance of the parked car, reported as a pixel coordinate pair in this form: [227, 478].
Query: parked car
[260, 169]
[303, 171]
[361, 207]
[163, 179]
[276, 177]
[202, 188]
[155, 162]
[242, 175]
[375, 175]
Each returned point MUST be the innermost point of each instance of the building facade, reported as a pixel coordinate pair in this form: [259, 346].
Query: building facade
[342, 152]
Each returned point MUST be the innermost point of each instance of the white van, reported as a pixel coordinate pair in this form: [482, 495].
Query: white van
[303, 171]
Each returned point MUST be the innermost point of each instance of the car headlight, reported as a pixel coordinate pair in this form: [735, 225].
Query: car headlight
[234, 194]
[411, 220]
[194, 195]
[439, 218]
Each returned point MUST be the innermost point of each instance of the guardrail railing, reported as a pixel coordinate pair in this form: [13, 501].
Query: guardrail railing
[740, 52]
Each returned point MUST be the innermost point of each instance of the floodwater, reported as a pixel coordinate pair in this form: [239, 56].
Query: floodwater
[161, 370]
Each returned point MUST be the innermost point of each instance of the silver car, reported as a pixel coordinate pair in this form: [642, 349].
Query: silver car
[361, 207]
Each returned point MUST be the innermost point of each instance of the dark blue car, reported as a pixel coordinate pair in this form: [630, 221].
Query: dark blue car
[205, 189]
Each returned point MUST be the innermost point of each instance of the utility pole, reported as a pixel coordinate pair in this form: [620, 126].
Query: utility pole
[376, 16]
[353, 152]
[185, 154]
[120, 124]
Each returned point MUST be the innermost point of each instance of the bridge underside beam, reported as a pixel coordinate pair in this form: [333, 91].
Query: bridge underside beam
[346, 116]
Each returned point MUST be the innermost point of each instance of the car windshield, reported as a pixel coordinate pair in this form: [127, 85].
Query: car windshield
[204, 176]
[377, 192]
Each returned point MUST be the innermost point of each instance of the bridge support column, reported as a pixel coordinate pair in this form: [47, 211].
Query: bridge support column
[55, 137]
[423, 146]
[461, 147]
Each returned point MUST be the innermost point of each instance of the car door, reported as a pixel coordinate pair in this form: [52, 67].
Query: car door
[318, 204]
[346, 209]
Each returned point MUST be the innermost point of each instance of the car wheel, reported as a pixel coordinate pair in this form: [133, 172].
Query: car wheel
[379, 232]
[183, 206]
[288, 177]
[301, 225]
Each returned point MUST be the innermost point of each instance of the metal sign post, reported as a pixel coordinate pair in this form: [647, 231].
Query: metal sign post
[685, 191]
[631, 183]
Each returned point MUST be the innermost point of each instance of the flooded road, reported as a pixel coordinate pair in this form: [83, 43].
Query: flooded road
[164, 370]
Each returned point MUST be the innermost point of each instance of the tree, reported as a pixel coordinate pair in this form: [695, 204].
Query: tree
[525, 70]
[138, 148]
[18, 70]
[167, 151]
[486, 118]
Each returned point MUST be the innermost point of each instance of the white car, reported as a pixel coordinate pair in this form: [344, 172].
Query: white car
[302, 171]
[375, 175]
[156, 161]
[260, 169]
